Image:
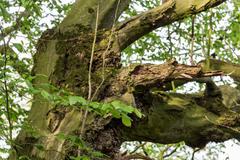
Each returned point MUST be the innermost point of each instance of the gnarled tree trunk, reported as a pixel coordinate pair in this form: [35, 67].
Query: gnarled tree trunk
[63, 58]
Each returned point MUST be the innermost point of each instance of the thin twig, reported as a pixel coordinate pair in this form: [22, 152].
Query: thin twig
[209, 43]
[170, 42]
[90, 67]
[161, 154]
[89, 76]
[169, 154]
[8, 107]
[194, 151]
[192, 41]
[104, 53]
[139, 146]
[90, 97]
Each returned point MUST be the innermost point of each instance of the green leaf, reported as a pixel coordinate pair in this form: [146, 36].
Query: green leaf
[76, 99]
[45, 94]
[4, 13]
[116, 104]
[138, 113]
[106, 107]
[85, 158]
[126, 120]
[127, 108]
[123, 107]
[18, 46]
[115, 113]
[95, 105]
[97, 154]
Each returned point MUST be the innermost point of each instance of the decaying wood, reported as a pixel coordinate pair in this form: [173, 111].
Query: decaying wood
[148, 76]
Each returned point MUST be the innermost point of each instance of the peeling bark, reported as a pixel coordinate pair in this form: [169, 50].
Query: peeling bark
[147, 76]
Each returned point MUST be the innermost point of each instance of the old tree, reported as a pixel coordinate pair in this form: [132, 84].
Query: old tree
[86, 101]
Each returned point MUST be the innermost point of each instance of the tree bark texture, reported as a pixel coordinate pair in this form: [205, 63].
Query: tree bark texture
[62, 59]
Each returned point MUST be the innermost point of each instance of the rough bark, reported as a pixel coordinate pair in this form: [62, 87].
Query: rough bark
[63, 60]
[194, 118]
[173, 10]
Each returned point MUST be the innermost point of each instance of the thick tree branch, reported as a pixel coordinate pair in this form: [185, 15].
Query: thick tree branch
[171, 118]
[84, 13]
[173, 10]
[147, 76]
[230, 69]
